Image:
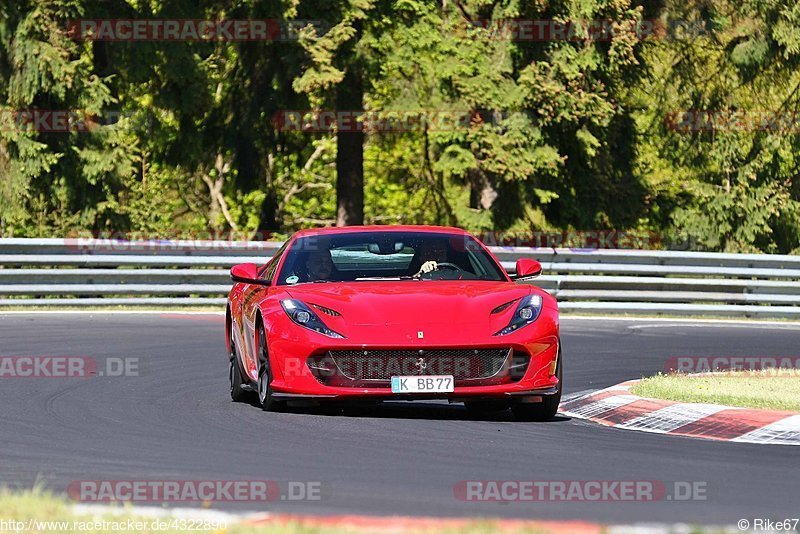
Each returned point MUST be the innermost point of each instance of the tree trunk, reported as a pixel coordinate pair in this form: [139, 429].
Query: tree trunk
[350, 153]
[481, 193]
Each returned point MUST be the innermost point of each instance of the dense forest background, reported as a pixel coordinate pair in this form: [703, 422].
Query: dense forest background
[684, 127]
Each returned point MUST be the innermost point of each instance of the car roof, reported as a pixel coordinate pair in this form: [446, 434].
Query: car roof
[332, 230]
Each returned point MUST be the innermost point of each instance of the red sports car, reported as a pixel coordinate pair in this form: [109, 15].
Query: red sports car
[393, 313]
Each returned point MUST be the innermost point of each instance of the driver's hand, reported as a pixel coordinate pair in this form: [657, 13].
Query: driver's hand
[427, 267]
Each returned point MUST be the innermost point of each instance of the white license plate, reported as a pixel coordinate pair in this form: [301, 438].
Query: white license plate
[422, 384]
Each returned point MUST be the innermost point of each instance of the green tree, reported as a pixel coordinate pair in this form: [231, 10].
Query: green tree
[726, 185]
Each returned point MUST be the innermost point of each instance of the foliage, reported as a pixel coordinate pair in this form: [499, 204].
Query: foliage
[579, 133]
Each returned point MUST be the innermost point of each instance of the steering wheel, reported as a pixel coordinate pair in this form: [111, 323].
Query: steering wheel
[448, 265]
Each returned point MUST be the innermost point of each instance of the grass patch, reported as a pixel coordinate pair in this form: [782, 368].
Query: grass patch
[53, 513]
[768, 390]
[40, 512]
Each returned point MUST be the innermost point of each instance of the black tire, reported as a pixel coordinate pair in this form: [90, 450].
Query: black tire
[485, 406]
[238, 393]
[545, 410]
[265, 393]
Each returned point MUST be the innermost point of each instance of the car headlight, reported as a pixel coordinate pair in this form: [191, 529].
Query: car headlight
[527, 311]
[301, 314]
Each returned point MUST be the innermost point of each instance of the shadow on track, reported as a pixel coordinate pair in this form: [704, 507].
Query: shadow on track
[434, 411]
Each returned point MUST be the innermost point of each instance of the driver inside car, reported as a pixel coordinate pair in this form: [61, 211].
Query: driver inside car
[430, 254]
[319, 265]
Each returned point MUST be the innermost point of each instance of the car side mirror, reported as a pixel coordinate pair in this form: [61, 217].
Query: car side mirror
[247, 273]
[528, 268]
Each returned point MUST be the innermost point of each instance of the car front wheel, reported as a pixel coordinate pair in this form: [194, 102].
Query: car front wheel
[238, 393]
[265, 393]
[545, 410]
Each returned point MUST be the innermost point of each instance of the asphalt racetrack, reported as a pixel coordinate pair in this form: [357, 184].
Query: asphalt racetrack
[175, 420]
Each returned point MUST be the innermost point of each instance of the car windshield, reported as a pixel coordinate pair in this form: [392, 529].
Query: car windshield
[370, 256]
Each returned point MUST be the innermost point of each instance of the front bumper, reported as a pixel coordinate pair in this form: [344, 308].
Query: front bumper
[290, 348]
[521, 396]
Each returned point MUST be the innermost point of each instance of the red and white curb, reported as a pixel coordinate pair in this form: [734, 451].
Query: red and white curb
[363, 524]
[403, 524]
[618, 408]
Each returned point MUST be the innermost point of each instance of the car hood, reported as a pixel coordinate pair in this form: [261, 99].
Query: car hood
[417, 306]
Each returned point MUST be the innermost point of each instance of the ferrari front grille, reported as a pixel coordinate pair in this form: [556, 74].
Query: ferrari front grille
[362, 367]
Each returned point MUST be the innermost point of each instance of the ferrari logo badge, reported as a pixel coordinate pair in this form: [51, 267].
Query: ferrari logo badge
[420, 335]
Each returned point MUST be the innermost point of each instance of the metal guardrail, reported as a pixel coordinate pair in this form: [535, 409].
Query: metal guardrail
[86, 272]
